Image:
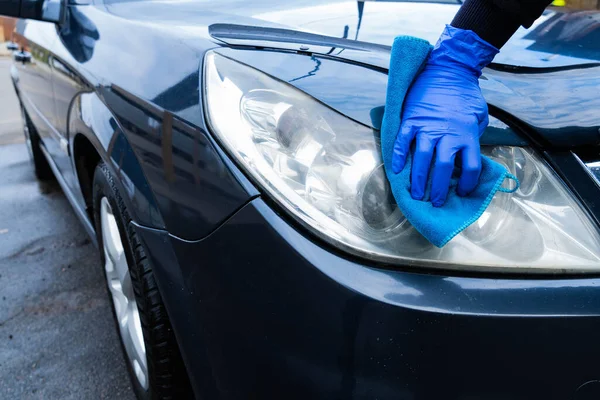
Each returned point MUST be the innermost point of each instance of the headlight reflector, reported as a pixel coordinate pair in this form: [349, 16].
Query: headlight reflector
[326, 171]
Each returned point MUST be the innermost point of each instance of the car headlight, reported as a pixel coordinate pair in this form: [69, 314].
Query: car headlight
[326, 171]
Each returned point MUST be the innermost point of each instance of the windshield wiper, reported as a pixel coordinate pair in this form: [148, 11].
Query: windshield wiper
[233, 34]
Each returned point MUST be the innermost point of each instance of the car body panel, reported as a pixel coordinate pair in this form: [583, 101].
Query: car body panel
[188, 177]
[89, 117]
[35, 77]
[283, 317]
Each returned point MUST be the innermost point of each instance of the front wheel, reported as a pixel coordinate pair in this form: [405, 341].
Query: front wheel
[152, 355]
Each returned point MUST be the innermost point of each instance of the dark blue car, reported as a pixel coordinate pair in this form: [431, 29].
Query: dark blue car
[225, 158]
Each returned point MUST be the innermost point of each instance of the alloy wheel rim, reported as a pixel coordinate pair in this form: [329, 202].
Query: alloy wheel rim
[121, 289]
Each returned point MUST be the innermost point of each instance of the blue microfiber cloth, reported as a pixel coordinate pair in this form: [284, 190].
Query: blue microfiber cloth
[437, 224]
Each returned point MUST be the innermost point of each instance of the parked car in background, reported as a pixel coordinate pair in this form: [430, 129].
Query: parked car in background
[224, 157]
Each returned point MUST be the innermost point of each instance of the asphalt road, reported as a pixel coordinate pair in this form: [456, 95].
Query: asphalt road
[57, 335]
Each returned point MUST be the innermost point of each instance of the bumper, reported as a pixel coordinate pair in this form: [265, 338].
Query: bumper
[260, 311]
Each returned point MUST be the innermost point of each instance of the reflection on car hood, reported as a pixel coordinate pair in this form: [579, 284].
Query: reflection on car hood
[558, 100]
[555, 39]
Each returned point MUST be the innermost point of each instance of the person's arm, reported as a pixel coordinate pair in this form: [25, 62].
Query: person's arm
[495, 21]
[444, 111]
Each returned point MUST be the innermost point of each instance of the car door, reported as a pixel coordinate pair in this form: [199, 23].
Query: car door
[35, 39]
[66, 84]
[75, 46]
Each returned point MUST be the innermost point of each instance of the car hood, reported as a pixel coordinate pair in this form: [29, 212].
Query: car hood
[558, 38]
[546, 77]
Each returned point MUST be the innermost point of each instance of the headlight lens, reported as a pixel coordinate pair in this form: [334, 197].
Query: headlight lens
[326, 170]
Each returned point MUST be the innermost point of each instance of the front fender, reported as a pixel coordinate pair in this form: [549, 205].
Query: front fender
[194, 186]
[91, 118]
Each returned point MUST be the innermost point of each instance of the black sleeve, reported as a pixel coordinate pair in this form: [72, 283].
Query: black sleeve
[495, 21]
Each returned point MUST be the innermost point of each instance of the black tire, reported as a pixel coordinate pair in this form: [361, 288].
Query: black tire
[42, 170]
[167, 375]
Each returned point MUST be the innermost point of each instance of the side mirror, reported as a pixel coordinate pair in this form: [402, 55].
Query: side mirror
[12, 46]
[41, 10]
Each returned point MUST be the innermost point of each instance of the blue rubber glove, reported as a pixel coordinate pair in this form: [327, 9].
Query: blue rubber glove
[446, 112]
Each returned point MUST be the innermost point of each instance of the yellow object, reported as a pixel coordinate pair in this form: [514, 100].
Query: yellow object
[559, 3]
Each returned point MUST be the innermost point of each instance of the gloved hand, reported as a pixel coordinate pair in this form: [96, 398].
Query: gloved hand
[445, 110]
